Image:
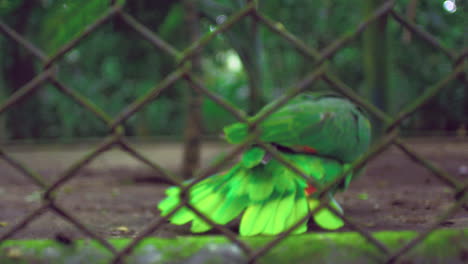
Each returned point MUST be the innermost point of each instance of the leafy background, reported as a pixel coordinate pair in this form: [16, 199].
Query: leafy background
[114, 66]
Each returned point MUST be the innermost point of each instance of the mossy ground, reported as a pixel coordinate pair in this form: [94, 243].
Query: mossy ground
[443, 246]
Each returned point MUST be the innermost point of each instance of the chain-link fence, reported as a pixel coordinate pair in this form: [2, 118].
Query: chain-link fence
[117, 139]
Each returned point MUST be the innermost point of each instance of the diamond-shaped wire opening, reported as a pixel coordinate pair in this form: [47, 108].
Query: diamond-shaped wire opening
[87, 101]
[113, 11]
[379, 202]
[432, 227]
[20, 195]
[38, 83]
[48, 75]
[26, 90]
[65, 176]
[122, 209]
[194, 48]
[71, 171]
[148, 97]
[26, 220]
[50, 192]
[23, 169]
[193, 80]
[442, 175]
[76, 222]
[126, 147]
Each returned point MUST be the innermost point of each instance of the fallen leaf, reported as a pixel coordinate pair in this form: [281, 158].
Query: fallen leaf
[363, 196]
[13, 252]
[115, 192]
[121, 230]
[67, 189]
[33, 197]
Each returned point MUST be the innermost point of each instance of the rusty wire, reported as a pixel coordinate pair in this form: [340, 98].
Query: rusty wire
[183, 72]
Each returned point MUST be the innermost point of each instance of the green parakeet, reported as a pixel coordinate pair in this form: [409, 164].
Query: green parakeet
[319, 133]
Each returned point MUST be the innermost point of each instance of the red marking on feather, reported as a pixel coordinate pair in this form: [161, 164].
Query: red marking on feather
[309, 150]
[310, 189]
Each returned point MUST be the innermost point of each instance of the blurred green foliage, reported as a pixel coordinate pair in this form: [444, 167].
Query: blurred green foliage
[73, 17]
[114, 66]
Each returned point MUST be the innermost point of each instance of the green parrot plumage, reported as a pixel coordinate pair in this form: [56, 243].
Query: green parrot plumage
[320, 133]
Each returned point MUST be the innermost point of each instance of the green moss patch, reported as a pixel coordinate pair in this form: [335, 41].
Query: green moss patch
[442, 246]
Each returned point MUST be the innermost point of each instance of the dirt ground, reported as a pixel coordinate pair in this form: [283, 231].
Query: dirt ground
[116, 195]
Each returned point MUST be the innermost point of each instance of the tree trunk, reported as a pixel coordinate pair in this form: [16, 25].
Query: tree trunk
[3, 127]
[18, 73]
[376, 62]
[254, 72]
[192, 141]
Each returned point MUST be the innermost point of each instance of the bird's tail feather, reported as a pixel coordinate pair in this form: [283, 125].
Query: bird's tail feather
[269, 199]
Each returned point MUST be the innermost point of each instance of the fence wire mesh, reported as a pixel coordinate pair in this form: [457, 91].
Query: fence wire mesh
[116, 137]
